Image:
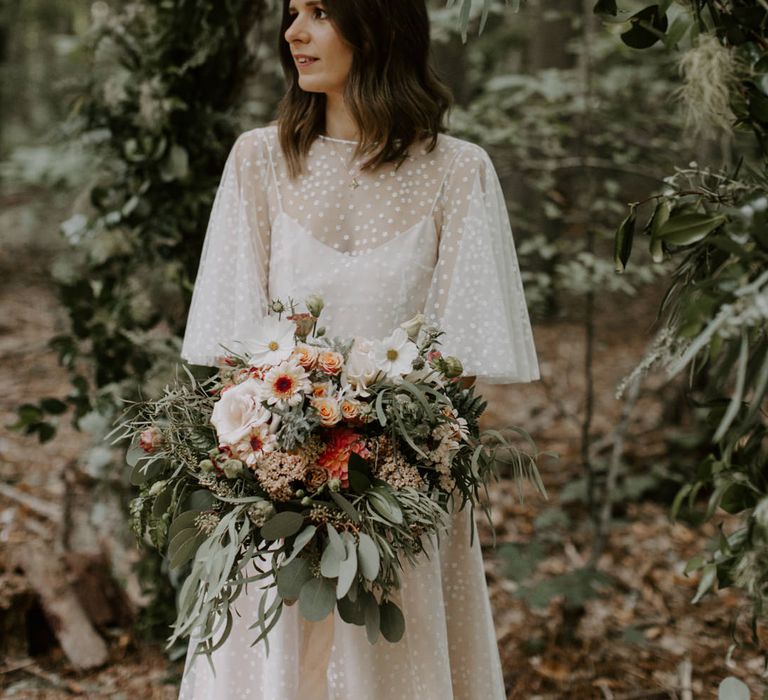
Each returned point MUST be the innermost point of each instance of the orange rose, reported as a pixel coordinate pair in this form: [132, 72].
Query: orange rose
[328, 410]
[330, 361]
[306, 355]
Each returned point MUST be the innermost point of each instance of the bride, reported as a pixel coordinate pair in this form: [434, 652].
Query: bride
[358, 194]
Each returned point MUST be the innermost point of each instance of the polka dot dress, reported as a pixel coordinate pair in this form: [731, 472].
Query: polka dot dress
[431, 236]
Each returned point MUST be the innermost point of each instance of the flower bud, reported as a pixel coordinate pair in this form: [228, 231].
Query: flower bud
[320, 331]
[277, 306]
[413, 326]
[300, 493]
[314, 304]
[260, 512]
[452, 367]
[418, 363]
[206, 466]
[306, 501]
[232, 468]
[150, 439]
[334, 484]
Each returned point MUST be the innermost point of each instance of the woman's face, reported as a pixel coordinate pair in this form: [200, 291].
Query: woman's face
[311, 34]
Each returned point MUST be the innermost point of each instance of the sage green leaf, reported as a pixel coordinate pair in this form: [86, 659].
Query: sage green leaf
[622, 242]
[352, 611]
[283, 524]
[335, 541]
[317, 599]
[708, 576]
[686, 229]
[368, 555]
[660, 217]
[648, 26]
[330, 562]
[380, 409]
[301, 541]
[182, 522]
[346, 506]
[179, 538]
[347, 568]
[372, 618]
[385, 504]
[201, 499]
[145, 471]
[186, 550]
[291, 577]
[134, 454]
[392, 622]
[162, 502]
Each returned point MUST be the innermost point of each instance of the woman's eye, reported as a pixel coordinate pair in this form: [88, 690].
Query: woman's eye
[323, 12]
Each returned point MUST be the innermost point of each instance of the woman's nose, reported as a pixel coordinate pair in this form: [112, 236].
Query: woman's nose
[296, 31]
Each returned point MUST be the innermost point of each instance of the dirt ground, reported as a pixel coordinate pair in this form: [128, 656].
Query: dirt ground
[641, 638]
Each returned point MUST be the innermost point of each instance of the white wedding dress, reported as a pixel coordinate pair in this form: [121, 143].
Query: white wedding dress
[432, 237]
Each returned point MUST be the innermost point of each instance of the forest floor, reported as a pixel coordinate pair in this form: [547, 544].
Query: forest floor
[637, 636]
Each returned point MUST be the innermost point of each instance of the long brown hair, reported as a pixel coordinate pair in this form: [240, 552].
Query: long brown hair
[392, 92]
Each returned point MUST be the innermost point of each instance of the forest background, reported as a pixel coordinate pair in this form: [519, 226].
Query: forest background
[643, 574]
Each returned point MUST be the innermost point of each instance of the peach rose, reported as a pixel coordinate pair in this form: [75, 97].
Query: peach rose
[306, 355]
[350, 409]
[328, 409]
[320, 389]
[330, 361]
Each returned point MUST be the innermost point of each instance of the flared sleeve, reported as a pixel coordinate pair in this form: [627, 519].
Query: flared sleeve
[476, 292]
[231, 292]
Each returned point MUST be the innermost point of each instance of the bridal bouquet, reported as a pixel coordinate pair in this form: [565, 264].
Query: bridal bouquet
[310, 467]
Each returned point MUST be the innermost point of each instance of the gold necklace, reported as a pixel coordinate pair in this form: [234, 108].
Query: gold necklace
[354, 184]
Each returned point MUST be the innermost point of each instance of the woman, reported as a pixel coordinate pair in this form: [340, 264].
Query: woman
[357, 194]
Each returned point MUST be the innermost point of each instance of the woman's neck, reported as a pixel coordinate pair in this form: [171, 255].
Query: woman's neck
[339, 123]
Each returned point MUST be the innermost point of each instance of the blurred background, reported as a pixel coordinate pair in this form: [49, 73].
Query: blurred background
[643, 574]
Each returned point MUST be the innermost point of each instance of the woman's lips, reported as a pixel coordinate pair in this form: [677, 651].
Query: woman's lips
[306, 63]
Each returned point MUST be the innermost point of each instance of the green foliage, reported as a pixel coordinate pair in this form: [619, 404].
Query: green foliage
[572, 139]
[154, 114]
[714, 317]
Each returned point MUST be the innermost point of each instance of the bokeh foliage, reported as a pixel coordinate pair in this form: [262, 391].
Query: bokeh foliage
[711, 219]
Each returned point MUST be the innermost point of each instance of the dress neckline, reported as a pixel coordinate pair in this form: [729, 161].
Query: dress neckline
[331, 138]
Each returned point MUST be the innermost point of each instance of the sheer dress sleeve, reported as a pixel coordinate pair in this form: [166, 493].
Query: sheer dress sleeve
[476, 292]
[231, 288]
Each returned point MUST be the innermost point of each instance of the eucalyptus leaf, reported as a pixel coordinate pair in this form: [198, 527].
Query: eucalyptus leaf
[346, 506]
[186, 551]
[301, 541]
[317, 599]
[330, 561]
[282, 525]
[183, 521]
[334, 538]
[368, 555]
[372, 618]
[352, 611]
[347, 568]
[392, 622]
[291, 577]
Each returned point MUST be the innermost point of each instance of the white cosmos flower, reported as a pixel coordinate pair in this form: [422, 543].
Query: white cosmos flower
[286, 384]
[238, 411]
[394, 354]
[272, 342]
